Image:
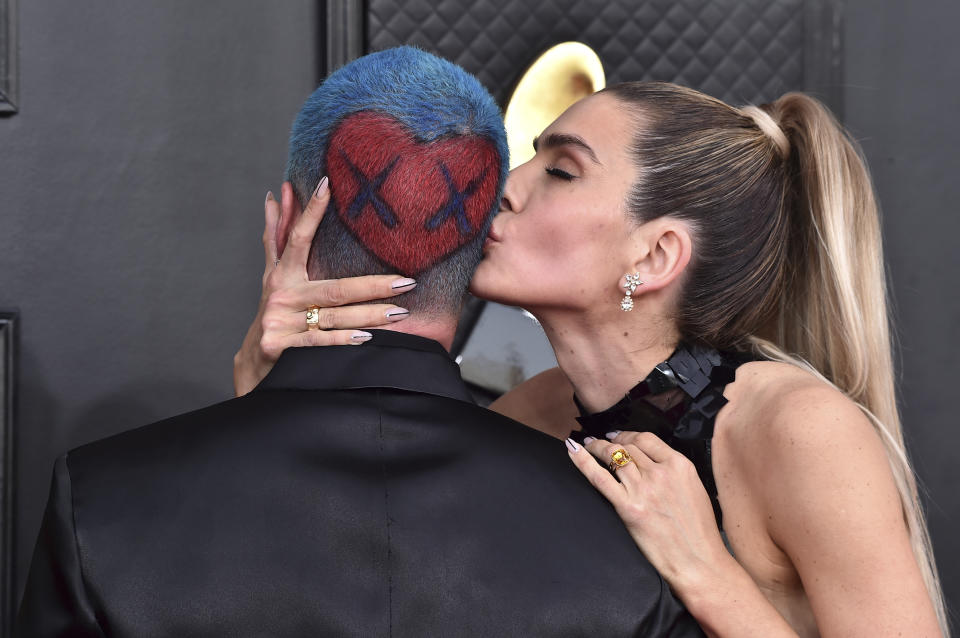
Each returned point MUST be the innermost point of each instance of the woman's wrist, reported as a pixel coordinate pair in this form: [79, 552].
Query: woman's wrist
[241, 376]
[698, 586]
[726, 602]
[245, 367]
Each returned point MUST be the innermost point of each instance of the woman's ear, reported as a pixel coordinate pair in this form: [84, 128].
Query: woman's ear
[667, 248]
[290, 210]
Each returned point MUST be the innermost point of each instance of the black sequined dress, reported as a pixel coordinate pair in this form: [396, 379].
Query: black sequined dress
[678, 402]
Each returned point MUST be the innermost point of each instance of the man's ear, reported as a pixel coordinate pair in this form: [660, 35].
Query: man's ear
[289, 211]
[667, 247]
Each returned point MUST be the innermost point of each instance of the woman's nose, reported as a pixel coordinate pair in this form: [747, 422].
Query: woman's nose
[508, 203]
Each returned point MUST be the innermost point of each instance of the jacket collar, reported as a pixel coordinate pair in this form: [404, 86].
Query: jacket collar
[389, 360]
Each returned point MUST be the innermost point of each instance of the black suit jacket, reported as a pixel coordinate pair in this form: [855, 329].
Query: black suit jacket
[357, 491]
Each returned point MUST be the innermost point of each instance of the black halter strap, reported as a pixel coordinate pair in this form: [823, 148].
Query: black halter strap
[702, 373]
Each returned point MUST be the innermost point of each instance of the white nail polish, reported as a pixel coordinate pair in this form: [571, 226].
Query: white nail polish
[321, 187]
[588, 440]
[397, 314]
[572, 445]
[612, 435]
[402, 285]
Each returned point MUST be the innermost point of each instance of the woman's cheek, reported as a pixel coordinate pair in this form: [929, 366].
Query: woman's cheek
[557, 242]
[494, 277]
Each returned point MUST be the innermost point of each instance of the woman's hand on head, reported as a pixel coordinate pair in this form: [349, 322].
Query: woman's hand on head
[281, 320]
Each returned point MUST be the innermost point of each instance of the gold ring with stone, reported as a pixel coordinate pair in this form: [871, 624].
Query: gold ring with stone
[313, 318]
[619, 458]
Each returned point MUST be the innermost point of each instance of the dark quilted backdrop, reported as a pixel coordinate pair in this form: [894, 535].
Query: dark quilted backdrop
[740, 51]
[899, 57]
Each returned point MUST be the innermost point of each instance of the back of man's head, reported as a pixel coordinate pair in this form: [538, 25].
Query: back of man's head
[416, 153]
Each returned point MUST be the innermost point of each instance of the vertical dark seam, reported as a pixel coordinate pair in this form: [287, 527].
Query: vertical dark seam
[386, 508]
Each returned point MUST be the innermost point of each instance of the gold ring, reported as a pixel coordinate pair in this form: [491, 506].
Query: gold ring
[313, 318]
[619, 458]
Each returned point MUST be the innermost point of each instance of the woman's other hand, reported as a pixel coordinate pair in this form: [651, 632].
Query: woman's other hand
[281, 320]
[668, 513]
[661, 500]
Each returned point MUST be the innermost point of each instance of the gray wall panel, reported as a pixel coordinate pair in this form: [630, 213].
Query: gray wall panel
[901, 101]
[130, 215]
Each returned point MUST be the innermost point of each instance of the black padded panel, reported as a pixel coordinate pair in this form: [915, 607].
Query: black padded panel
[742, 51]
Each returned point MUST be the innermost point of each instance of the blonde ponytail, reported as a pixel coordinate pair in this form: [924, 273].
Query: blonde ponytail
[787, 253]
[833, 319]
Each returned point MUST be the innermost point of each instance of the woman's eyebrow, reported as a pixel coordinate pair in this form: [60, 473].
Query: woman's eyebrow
[554, 140]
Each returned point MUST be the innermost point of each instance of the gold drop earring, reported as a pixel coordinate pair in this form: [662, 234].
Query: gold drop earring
[632, 282]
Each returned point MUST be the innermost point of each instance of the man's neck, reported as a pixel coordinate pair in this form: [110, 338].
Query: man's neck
[440, 329]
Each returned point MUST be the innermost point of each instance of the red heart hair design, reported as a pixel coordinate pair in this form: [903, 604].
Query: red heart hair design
[410, 203]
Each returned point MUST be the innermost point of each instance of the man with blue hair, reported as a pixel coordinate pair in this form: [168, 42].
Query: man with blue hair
[417, 158]
[356, 491]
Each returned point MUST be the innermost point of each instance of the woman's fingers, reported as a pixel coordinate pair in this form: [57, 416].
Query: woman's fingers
[360, 316]
[651, 444]
[339, 292]
[297, 248]
[271, 213]
[368, 316]
[599, 476]
[326, 338]
[604, 450]
[273, 344]
[331, 293]
[630, 474]
[663, 504]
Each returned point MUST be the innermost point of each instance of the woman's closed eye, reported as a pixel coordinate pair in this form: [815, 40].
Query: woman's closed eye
[560, 173]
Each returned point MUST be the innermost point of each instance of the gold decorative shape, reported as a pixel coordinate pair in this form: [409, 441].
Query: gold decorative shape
[562, 75]
[313, 317]
[618, 459]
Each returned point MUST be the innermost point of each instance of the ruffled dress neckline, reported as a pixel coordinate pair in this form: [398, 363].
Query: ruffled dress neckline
[679, 402]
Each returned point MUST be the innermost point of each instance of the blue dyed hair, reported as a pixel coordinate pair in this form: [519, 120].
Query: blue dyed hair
[434, 98]
[431, 96]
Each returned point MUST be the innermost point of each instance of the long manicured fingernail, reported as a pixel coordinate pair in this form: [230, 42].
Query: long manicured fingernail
[398, 314]
[588, 440]
[403, 285]
[612, 435]
[360, 337]
[270, 197]
[572, 445]
[321, 187]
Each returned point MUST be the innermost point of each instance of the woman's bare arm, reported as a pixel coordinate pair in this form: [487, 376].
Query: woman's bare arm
[831, 504]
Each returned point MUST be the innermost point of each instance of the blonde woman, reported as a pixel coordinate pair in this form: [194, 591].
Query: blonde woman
[711, 280]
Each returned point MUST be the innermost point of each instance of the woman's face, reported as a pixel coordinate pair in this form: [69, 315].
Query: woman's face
[562, 237]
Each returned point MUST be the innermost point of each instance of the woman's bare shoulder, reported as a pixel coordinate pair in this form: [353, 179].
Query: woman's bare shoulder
[543, 402]
[772, 387]
[778, 407]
